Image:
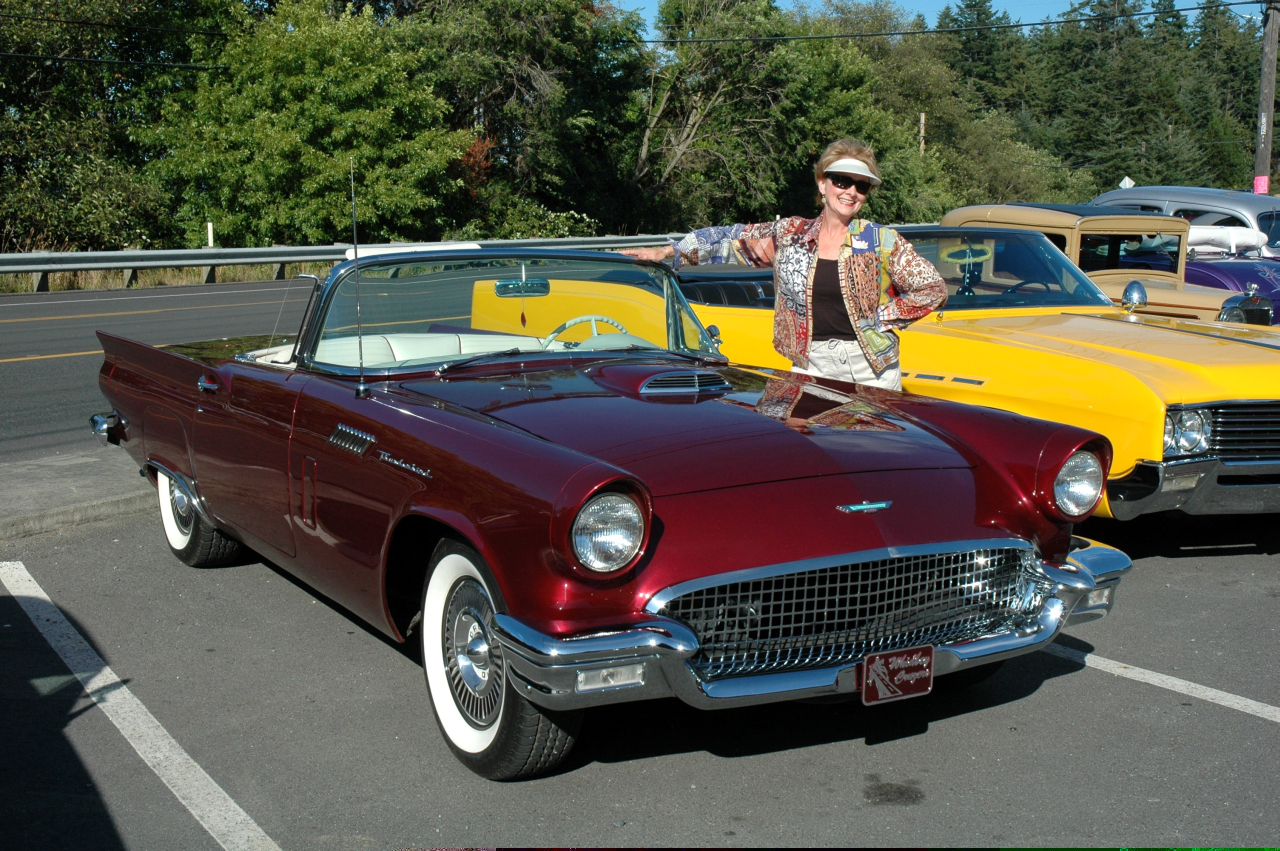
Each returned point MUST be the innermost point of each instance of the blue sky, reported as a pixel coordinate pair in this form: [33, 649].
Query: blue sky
[1029, 12]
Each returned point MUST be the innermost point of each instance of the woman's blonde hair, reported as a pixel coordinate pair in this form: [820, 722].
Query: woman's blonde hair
[841, 148]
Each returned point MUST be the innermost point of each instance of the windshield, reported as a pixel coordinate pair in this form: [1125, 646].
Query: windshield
[1269, 223]
[996, 269]
[1155, 251]
[429, 312]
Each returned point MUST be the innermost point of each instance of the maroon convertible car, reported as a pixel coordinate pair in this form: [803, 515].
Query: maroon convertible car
[536, 464]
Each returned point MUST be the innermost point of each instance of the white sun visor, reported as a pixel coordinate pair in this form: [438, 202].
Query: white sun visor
[848, 165]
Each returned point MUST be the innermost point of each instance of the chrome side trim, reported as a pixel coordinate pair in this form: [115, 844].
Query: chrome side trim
[351, 439]
[188, 487]
[666, 595]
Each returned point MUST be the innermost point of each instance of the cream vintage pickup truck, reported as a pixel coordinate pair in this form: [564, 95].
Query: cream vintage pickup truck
[1115, 248]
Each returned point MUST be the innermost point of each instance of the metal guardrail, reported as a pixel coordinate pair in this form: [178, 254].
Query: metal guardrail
[41, 263]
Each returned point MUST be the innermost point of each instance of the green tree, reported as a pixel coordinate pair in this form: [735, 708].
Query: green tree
[70, 131]
[985, 59]
[546, 87]
[264, 149]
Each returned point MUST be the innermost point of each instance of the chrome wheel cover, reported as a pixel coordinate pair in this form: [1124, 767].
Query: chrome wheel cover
[183, 510]
[473, 660]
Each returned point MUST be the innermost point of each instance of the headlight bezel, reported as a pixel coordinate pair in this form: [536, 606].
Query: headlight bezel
[1086, 468]
[616, 509]
[1188, 433]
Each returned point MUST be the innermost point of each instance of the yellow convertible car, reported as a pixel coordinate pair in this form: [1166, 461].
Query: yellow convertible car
[1192, 408]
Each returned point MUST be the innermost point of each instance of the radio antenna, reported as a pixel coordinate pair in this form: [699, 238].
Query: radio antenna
[362, 389]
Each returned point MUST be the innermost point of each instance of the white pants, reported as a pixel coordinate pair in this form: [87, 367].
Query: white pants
[843, 360]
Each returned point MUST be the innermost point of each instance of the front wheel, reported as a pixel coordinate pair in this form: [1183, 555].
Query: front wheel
[489, 726]
[192, 539]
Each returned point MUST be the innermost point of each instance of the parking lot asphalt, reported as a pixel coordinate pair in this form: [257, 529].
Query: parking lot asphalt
[322, 732]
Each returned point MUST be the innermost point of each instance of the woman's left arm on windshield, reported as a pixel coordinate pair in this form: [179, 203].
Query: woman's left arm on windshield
[748, 245]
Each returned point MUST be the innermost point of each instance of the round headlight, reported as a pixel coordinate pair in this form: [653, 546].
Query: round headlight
[1191, 431]
[1169, 443]
[1232, 314]
[1079, 484]
[608, 532]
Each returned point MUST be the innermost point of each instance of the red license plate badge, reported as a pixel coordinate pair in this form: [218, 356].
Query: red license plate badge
[897, 675]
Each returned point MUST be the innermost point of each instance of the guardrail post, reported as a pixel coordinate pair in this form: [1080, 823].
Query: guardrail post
[130, 277]
[279, 272]
[208, 274]
[39, 282]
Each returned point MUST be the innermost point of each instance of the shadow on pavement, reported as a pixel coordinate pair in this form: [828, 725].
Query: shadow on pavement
[1172, 534]
[47, 798]
[664, 727]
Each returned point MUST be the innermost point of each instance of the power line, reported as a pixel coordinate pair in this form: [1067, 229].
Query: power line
[1087, 19]
[111, 61]
[104, 25]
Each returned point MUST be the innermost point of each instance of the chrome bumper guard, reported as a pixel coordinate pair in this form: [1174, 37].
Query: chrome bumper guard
[1203, 486]
[648, 660]
[108, 427]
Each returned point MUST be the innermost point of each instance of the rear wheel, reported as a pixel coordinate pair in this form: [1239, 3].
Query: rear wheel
[189, 535]
[489, 726]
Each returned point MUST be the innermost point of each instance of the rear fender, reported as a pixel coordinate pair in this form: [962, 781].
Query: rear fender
[155, 392]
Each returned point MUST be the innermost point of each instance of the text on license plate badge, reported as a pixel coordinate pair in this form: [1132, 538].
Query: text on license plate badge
[897, 675]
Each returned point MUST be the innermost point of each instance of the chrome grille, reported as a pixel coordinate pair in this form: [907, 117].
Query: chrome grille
[1248, 432]
[693, 381]
[836, 615]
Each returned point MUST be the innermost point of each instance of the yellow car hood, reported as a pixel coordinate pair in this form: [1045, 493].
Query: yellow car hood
[1182, 361]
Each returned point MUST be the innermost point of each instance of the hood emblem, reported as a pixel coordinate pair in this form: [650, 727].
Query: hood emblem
[864, 507]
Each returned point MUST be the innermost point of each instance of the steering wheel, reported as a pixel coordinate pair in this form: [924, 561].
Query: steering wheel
[578, 320]
[1013, 289]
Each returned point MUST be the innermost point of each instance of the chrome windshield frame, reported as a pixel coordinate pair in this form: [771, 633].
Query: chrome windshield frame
[673, 303]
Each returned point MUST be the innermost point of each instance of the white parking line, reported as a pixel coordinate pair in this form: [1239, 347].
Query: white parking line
[1222, 698]
[213, 808]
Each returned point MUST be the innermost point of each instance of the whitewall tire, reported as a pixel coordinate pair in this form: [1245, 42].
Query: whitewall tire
[189, 535]
[490, 727]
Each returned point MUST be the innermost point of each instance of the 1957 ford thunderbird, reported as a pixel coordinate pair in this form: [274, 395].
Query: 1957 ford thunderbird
[537, 465]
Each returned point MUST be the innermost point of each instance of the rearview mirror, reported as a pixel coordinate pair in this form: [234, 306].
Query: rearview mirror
[522, 289]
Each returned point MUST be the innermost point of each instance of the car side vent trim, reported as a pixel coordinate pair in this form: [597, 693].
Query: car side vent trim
[351, 439]
[689, 381]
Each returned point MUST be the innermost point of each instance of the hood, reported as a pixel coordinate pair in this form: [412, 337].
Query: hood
[1180, 360]
[742, 428]
[1236, 274]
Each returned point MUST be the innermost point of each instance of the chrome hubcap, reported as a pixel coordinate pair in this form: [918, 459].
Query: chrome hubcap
[182, 508]
[472, 660]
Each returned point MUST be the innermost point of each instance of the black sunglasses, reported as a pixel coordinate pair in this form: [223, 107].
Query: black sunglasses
[844, 181]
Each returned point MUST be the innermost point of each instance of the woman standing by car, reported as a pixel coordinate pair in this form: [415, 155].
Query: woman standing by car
[842, 284]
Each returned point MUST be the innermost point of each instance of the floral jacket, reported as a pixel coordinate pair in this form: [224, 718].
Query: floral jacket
[885, 284]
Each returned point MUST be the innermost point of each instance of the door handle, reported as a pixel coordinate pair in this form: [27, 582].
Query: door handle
[207, 385]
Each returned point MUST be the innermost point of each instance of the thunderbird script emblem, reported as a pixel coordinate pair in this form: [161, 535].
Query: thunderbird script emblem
[403, 465]
[864, 507]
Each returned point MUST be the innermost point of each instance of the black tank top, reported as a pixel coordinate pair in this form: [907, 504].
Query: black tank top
[830, 316]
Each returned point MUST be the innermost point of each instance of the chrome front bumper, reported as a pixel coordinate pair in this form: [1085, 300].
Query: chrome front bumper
[651, 657]
[1204, 486]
